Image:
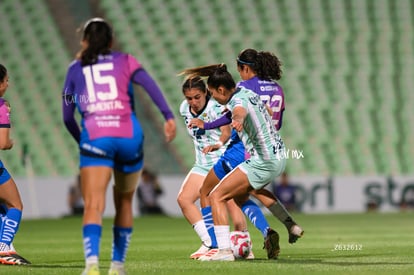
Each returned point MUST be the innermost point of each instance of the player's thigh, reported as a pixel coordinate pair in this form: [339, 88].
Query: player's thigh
[234, 185]
[190, 189]
[210, 181]
[94, 182]
[126, 182]
[9, 194]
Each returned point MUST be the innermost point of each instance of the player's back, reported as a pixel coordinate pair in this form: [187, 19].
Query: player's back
[259, 134]
[101, 93]
[270, 93]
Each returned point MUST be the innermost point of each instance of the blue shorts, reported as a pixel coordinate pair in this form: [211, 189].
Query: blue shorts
[4, 174]
[122, 154]
[232, 157]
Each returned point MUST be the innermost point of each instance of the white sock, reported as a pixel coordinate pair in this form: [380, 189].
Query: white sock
[92, 260]
[4, 247]
[201, 230]
[117, 265]
[222, 236]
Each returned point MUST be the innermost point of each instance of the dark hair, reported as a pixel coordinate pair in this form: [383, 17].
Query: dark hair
[266, 65]
[3, 72]
[196, 83]
[217, 75]
[99, 36]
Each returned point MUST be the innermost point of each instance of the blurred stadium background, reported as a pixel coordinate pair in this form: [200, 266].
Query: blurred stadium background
[348, 79]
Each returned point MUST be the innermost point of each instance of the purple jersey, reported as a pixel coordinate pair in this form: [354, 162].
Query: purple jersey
[270, 93]
[4, 114]
[100, 92]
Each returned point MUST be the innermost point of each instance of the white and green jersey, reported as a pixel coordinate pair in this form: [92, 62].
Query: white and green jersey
[201, 138]
[259, 134]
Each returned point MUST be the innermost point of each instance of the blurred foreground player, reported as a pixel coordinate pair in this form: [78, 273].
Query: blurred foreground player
[11, 203]
[98, 84]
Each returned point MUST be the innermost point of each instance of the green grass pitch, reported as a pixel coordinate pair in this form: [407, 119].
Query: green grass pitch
[369, 243]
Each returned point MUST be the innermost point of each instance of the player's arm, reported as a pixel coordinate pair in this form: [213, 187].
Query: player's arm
[221, 121]
[239, 114]
[6, 143]
[225, 136]
[68, 109]
[142, 78]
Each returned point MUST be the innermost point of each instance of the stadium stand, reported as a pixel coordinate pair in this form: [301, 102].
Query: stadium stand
[34, 54]
[348, 74]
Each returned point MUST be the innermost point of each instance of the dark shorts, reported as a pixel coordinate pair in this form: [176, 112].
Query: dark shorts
[232, 157]
[4, 174]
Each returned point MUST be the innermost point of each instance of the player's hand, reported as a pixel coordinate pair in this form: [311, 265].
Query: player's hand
[212, 148]
[196, 123]
[169, 130]
[237, 124]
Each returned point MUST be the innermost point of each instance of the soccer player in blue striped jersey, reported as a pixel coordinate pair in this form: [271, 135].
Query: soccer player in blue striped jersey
[209, 146]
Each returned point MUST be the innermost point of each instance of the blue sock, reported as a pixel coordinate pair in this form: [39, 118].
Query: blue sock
[91, 240]
[208, 221]
[3, 212]
[255, 215]
[10, 225]
[122, 237]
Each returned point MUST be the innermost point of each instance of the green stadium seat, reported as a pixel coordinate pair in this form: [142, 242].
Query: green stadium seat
[347, 65]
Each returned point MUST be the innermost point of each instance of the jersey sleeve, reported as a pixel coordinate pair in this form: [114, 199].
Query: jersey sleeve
[68, 86]
[142, 78]
[4, 114]
[133, 63]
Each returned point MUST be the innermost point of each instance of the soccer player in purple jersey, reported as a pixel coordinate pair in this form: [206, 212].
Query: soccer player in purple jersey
[260, 71]
[111, 140]
[10, 201]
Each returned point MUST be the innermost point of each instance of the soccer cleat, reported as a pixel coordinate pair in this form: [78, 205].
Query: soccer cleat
[200, 252]
[218, 255]
[92, 269]
[116, 271]
[12, 258]
[295, 233]
[271, 244]
[208, 254]
[251, 255]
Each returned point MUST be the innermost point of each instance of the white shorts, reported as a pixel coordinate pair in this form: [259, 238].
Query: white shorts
[262, 172]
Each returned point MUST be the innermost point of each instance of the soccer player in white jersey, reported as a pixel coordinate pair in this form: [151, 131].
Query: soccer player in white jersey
[208, 146]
